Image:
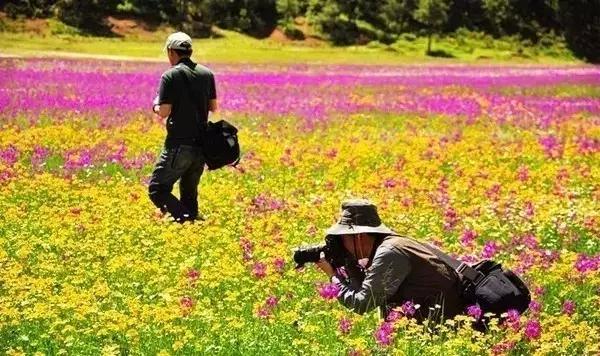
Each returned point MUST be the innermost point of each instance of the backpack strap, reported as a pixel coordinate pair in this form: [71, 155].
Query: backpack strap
[463, 269]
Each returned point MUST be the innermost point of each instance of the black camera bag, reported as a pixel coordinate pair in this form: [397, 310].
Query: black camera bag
[219, 139]
[220, 145]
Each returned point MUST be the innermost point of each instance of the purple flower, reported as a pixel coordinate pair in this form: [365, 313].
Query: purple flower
[272, 301]
[467, 237]
[587, 263]
[513, 319]
[533, 330]
[489, 249]
[10, 155]
[409, 308]
[259, 270]
[552, 146]
[384, 334]
[345, 325]
[474, 311]
[535, 307]
[329, 290]
[568, 307]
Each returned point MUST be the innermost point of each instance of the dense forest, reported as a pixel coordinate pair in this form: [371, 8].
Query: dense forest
[346, 22]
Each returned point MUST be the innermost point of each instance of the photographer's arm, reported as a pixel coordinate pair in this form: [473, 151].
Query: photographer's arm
[385, 275]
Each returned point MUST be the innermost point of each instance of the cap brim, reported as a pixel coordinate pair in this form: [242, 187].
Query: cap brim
[339, 229]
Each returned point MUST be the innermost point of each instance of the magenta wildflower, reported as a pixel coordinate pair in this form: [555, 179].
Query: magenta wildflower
[552, 146]
[384, 334]
[587, 263]
[503, 347]
[467, 237]
[568, 307]
[513, 319]
[259, 270]
[186, 303]
[533, 330]
[345, 325]
[408, 308]
[279, 264]
[523, 173]
[389, 183]
[535, 307]
[474, 311]
[490, 249]
[10, 155]
[329, 290]
[193, 274]
[272, 301]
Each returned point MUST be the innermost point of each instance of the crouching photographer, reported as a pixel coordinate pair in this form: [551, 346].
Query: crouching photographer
[373, 266]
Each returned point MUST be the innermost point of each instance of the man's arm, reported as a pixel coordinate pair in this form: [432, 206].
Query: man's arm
[212, 105]
[162, 104]
[162, 110]
[385, 275]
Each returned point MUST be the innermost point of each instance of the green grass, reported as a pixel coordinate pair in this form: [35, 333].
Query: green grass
[232, 47]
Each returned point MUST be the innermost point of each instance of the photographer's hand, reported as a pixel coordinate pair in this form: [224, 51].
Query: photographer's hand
[326, 267]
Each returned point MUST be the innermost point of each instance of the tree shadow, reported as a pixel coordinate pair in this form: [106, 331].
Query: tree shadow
[440, 53]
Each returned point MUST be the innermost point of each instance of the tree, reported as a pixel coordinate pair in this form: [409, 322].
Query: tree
[580, 20]
[433, 14]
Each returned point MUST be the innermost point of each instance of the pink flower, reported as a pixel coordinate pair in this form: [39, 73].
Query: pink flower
[535, 307]
[513, 319]
[408, 308]
[529, 210]
[474, 311]
[467, 237]
[263, 313]
[345, 325]
[329, 290]
[389, 183]
[568, 307]
[552, 146]
[259, 270]
[489, 249]
[587, 263]
[272, 301]
[523, 173]
[450, 218]
[193, 274]
[533, 330]
[384, 334]
[502, 347]
[279, 264]
[186, 304]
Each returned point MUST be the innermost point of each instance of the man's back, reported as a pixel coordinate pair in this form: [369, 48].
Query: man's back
[189, 88]
[429, 282]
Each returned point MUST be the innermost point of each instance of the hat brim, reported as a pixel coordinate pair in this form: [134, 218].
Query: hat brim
[339, 229]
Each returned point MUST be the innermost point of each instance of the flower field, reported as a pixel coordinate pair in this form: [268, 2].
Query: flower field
[489, 162]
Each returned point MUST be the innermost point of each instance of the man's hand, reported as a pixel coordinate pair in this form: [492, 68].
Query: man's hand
[326, 267]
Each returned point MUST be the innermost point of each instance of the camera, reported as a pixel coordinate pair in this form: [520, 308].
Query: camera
[332, 250]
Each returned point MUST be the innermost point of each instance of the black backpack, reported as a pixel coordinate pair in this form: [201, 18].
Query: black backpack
[486, 284]
[220, 145]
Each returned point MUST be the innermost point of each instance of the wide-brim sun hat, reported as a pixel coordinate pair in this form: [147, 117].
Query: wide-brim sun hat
[359, 216]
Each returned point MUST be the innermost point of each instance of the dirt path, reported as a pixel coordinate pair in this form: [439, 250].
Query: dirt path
[63, 54]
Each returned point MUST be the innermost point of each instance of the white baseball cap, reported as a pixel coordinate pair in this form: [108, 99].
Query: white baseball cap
[178, 40]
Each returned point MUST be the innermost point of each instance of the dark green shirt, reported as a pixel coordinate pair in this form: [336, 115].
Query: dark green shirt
[402, 270]
[188, 87]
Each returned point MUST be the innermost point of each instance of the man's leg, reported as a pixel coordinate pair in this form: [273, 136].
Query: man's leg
[170, 166]
[188, 185]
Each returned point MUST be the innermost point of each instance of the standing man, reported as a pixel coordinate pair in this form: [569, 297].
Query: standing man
[383, 269]
[185, 96]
